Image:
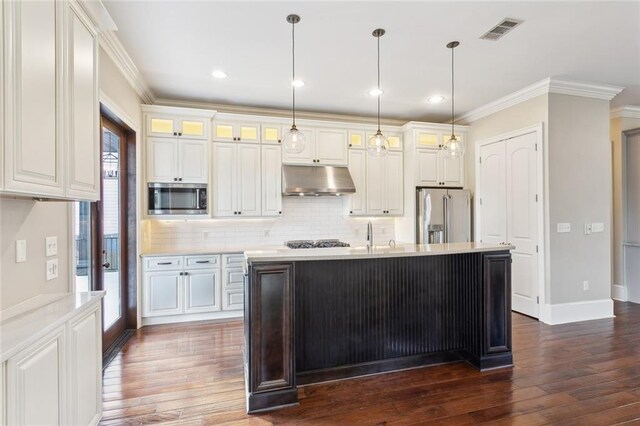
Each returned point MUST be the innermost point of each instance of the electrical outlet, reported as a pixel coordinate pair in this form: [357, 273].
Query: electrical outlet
[587, 229]
[597, 227]
[585, 285]
[52, 269]
[51, 246]
[21, 251]
[563, 228]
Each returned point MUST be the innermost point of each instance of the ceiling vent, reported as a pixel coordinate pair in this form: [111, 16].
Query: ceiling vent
[501, 29]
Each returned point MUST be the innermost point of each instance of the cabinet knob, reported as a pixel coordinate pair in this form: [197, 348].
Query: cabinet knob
[279, 212]
[350, 211]
[180, 134]
[239, 212]
[175, 133]
[279, 140]
[350, 145]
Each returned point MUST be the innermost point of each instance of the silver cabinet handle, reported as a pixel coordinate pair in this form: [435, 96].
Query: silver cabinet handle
[165, 263]
[202, 261]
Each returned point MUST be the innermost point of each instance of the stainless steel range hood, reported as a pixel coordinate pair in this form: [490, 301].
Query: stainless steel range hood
[316, 180]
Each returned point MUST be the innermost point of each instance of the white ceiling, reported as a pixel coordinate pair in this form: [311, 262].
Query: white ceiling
[176, 45]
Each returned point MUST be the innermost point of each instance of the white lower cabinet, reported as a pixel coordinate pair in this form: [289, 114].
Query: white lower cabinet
[85, 367]
[37, 383]
[232, 282]
[196, 284]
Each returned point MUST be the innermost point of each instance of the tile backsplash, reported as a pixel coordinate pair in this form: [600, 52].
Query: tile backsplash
[302, 219]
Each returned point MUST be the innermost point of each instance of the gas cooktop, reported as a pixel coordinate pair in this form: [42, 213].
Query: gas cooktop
[305, 244]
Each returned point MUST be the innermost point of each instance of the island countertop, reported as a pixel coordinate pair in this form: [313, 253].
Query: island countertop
[400, 250]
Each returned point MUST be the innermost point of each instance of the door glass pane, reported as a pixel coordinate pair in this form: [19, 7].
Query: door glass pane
[271, 134]
[224, 131]
[192, 128]
[162, 125]
[355, 139]
[111, 227]
[394, 142]
[427, 139]
[82, 234]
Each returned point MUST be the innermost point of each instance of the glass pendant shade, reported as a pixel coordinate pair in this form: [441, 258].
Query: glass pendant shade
[454, 148]
[378, 145]
[294, 141]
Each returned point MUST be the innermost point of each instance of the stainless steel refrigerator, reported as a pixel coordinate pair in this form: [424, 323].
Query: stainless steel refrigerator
[443, 215]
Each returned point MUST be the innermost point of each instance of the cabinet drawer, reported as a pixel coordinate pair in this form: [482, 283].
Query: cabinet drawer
[233, 278]
[232, 260]
[198, 262]
[233, 300]
[163, 263]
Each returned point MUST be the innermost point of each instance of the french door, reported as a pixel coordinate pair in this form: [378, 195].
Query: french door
[509, 213]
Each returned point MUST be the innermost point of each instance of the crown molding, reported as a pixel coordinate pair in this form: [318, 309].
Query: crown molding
[192, 112]
[99, 14]
[116, 51]
[276, 112]
[628, 111]
[542, 87]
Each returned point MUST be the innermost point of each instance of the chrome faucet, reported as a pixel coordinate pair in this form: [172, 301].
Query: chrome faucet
[369, 235]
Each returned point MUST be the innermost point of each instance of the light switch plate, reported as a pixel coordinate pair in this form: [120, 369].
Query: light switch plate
[51, 246]
[587, 229]
[21, 251]
[52, 269]
[597, 227]
[563, 227]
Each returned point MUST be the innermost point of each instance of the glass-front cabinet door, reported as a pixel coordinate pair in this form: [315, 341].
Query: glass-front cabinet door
[357, 140]
[161, 126]
[193, 128]
[271, 134]
[427, 139]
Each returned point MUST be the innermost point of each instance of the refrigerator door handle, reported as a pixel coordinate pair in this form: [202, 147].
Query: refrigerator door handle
[445, 216]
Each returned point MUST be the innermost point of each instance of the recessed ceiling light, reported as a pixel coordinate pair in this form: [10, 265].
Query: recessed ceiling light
[297, 83]
[219, 74]
[436, 99]
[376, 91]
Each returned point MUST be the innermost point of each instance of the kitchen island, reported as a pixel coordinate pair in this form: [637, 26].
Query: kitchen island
[313, 315]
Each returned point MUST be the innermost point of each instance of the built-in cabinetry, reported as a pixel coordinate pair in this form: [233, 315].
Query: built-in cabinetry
[324, 146]
[194, 284]
[236, 131]
[236, 180]
[56, 379]
[271, 180]
[51, 111]
[378, 182]
[432, 167]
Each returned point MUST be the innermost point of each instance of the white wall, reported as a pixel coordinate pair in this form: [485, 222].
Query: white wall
[303, 218]
[580, 191]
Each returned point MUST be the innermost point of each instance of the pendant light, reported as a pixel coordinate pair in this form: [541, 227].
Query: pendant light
[454, 147]
[294, 140]
[378, 145]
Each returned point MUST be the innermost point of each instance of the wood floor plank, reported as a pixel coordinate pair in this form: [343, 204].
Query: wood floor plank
[582, 374]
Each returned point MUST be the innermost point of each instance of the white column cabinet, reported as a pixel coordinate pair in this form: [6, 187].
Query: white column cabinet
[385, 185]
[236, 183]
[375, 185]
[357, 168]
[36, 382]
[271, 180]
[394, 199]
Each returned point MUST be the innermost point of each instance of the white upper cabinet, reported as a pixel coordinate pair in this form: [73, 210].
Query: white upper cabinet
[177, 160]
[236, 180]
[34, 102]
[83, 152]
[169, 126]
[432, 167]
[331, 147]
[394, 138]
[271, 134]
[308, 155]
[232, 131]
[357, 203]
[271, 180]
[51, 111]
[385, 185]
[357, 139]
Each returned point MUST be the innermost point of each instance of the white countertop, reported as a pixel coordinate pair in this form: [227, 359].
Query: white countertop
[207, 250]
[22, 330]
[348, 253]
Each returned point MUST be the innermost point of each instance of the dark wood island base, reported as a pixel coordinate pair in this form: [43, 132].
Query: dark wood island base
[309, 320]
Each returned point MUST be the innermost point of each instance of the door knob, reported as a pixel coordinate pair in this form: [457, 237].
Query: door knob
[106, 265]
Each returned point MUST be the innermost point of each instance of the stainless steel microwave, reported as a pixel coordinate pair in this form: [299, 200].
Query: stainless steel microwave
[177, 199]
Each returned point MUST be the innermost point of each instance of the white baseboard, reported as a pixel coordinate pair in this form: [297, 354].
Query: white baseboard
[170, 319]
[619, 292]
[563, 313]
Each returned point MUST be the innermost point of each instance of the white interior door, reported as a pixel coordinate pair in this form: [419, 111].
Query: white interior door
[493, 193]
[522, 222]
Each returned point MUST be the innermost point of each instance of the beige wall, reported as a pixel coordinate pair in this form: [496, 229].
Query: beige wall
[618, 125]
[33, 221]
[579, 192]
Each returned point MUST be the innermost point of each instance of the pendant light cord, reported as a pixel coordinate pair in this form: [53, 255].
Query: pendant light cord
[293, 63]
[452, 94]
[378, 84]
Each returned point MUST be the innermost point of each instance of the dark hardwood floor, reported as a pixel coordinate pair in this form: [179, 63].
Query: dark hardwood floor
[575, 374]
